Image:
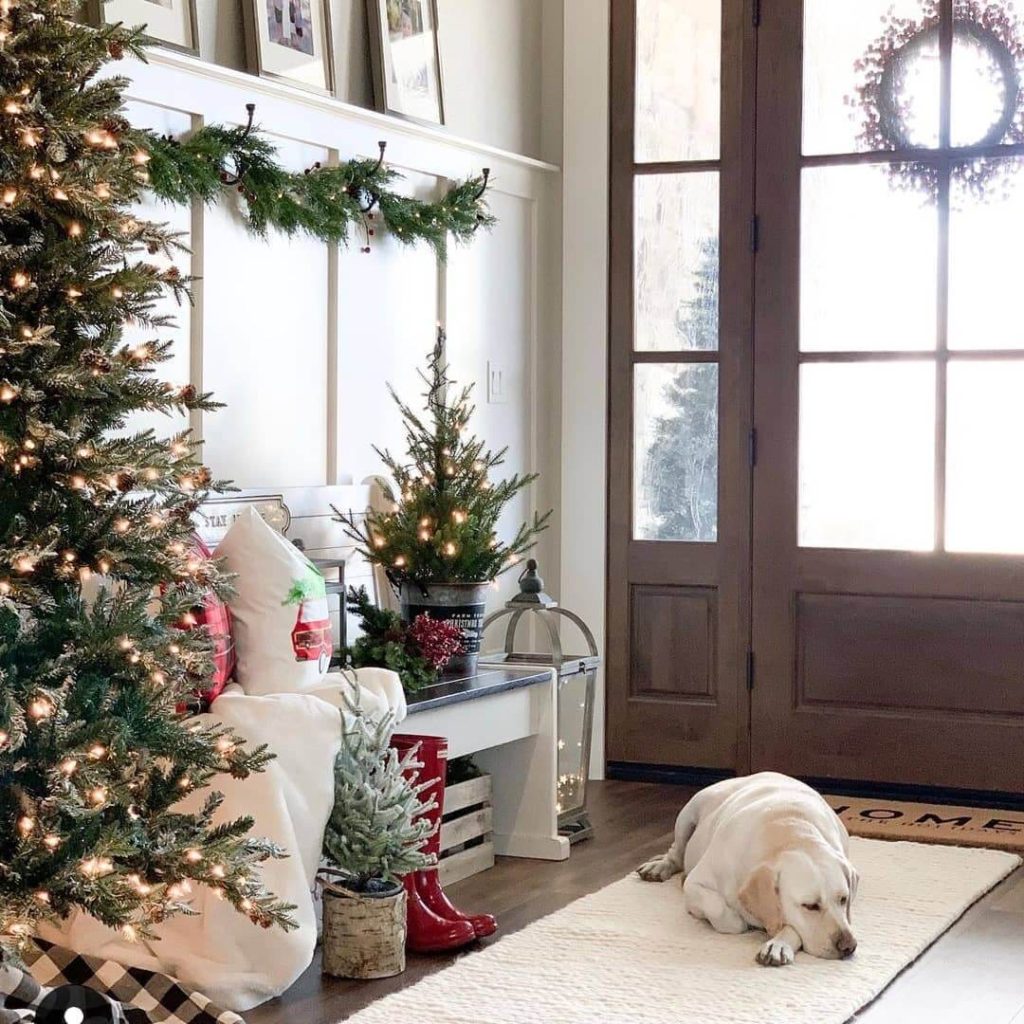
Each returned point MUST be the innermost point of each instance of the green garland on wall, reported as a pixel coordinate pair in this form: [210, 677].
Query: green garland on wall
[325, 202]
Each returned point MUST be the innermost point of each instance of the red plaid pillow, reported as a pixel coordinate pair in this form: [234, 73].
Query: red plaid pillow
[215, 615]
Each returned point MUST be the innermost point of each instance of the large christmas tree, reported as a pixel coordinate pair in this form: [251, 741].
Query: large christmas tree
[93, 754]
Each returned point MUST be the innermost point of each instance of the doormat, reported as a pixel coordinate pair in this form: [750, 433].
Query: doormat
[630, 954]
[931, 823]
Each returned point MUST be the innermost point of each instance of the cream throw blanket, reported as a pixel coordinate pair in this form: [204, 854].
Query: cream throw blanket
[220, 953]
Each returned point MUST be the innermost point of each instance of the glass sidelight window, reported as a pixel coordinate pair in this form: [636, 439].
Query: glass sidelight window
[911, 333]
[676, 270]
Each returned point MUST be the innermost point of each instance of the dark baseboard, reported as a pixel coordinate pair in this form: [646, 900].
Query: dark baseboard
[630, 772]
[627, 771]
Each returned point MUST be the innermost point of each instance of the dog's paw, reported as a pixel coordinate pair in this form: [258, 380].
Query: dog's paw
[661, 869]
[775, 953]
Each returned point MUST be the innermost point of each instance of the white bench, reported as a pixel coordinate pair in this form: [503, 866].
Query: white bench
[505, 718]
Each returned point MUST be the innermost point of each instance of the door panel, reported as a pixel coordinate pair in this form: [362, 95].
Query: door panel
[888, 601]
[679, 382]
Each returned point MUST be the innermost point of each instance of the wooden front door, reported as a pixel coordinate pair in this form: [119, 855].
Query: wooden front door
[844, 598]
[679, 382]
[888, 586]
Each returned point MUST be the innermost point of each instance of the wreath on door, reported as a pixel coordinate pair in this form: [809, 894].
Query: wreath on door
[988, 48]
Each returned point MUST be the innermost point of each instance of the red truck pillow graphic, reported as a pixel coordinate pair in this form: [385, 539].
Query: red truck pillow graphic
[311, 635]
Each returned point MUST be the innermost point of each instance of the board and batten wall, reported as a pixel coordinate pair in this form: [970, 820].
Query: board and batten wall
[299, 339]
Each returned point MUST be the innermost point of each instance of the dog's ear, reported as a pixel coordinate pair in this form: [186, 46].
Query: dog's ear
[759, 897]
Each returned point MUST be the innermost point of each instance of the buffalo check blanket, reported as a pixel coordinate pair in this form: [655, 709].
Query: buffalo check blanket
[136, 996]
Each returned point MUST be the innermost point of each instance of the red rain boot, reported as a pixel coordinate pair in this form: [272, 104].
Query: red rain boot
[427, 931]
[434, 755]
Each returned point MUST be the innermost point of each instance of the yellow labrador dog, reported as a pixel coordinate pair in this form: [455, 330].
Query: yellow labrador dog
[765, 851]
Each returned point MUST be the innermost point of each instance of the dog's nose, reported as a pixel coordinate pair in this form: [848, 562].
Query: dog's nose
[845, 944]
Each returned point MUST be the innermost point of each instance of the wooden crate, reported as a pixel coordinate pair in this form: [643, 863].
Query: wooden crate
[467, 846]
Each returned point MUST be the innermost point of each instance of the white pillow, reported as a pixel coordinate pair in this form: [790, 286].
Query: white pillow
[281, 622]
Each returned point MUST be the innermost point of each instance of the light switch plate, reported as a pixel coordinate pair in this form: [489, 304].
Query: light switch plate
[496, 384]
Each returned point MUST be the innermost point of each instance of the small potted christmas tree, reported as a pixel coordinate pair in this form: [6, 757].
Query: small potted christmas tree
[374, 837]
[437, 540]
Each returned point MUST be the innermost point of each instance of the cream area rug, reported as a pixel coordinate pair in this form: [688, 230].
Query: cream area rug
[630, 954]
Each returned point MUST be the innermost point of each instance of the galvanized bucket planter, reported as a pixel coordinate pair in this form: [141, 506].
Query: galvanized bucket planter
[364, 933]
[463, 604]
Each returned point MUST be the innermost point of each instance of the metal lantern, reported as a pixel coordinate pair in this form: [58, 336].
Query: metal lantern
[577, 677]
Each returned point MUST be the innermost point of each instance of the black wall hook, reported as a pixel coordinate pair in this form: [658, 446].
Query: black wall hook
[235, 179]
[483, 186]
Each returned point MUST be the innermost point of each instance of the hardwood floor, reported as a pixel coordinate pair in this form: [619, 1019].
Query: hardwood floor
[975, 972]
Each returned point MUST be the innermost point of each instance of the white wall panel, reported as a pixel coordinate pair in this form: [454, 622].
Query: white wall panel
[387, 320]
[301, 343]
[265, 337]
[179, 220]
[489, 305]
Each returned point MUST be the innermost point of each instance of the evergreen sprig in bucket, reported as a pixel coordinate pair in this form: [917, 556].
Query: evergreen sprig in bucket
[437, 540]
[375, 836]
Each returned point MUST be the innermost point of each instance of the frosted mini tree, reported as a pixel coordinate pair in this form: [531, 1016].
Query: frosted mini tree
[377, 829]
[93, 754]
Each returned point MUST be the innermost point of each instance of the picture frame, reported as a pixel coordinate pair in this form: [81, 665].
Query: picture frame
[291, 41]
[405, 53]
[171, 23]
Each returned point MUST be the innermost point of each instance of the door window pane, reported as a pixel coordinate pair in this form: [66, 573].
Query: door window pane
[675, 451]
[984, 476]
[986, 73]
[985, 259]
[868, 262]
[867, 455]
[678, 74]
[676, 261]
[842, 41]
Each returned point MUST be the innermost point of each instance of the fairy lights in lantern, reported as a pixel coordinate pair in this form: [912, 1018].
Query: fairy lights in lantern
[30, 138]
[97, 752]
[75, 229]
[98, 796]
[25, 564]
[60, 195]
[74, 293]
[20, 280]
[458, 517]
[69, 766]
[52, 842]
[36, 173]
[26, 825]
[8, 393]
[10, 196]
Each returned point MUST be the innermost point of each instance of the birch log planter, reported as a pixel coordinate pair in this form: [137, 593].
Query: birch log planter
[364, 933]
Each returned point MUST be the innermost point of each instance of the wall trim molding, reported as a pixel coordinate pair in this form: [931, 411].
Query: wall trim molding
[393, 126]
